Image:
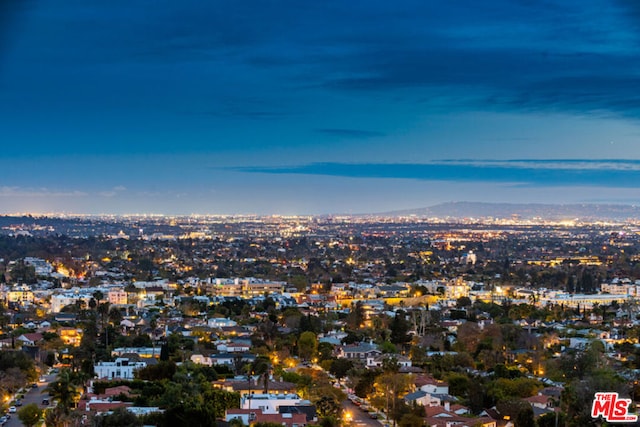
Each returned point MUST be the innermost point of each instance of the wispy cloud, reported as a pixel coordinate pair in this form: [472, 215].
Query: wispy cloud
[567, 172]
[113, 192]
[38, 192]
[350, 133]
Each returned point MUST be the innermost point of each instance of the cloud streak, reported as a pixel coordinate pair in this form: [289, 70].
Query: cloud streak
[350, 133]
[38, 192]
[544, 173]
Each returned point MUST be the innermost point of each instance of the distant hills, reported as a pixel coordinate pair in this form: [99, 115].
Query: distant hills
[460, 210]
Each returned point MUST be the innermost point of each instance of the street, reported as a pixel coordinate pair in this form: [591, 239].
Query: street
[33, 395]
[357, 416]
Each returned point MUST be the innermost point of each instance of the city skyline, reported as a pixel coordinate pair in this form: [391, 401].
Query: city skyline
[289, 108]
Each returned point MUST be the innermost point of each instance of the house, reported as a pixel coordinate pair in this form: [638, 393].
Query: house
[437, 416]
[308, 410]
[201, 360]
[70, 336]
[21, 295]
[109, 393]
[30, 339]
[142, 352]
[540, 401]
[144, 410]
[252, 416]
[234, 347]
[122, 368]
[255, 384]
[44, 325]
[378, 361]
[100, 406]
[431, 385]
[420, 397]
[270, 403]
[358, 351]
[65, 317]
[279, 388]
[229, 359]
[117, 297]
[220, 323]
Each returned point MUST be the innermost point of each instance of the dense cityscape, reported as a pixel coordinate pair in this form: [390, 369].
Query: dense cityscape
[293, 213]
[334, 320]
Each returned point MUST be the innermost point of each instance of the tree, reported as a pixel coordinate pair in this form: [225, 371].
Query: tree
[164, 352]
[468, 336]
[65, 390]
[356, 317]
[307, 345]
[458, 384]
[115, 316]
[525, 418]
[120, 417]
[364, 385]
[389, 389]
[518, 410]
[30, 414]
[98, 295]
[463, 302]
[325, 351]
[327, 406]
[54, 417]
[340, 367]
[103, 311]
[552, 420]
[400, 329]
[411, 420]
[390, 364]
[157, 372]
[388, 347]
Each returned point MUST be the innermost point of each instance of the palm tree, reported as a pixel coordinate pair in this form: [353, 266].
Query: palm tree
[98, 295]
[54, 418]
[65, 389]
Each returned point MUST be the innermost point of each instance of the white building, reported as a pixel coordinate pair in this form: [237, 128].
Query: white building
[233, 347]
[245, 287]
[62, 300]
[201, 359]
[378, 361]
[41, 266]
[221, 322]
[583, 300]
[269, 403]
[122, 368]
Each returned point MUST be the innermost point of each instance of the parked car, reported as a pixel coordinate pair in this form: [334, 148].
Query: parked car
[12, 409]
[3, 420]
[45, 402]
[18, 402]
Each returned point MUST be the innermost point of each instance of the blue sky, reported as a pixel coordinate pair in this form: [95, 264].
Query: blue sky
[289, 107]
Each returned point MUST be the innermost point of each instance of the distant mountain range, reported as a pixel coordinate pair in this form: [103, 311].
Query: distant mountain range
[460, 210]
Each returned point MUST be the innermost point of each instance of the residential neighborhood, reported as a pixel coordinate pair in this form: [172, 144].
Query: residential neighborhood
[303, 322]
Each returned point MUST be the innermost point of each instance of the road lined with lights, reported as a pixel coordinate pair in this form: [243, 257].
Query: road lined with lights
[355, 416]
[32, 395]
